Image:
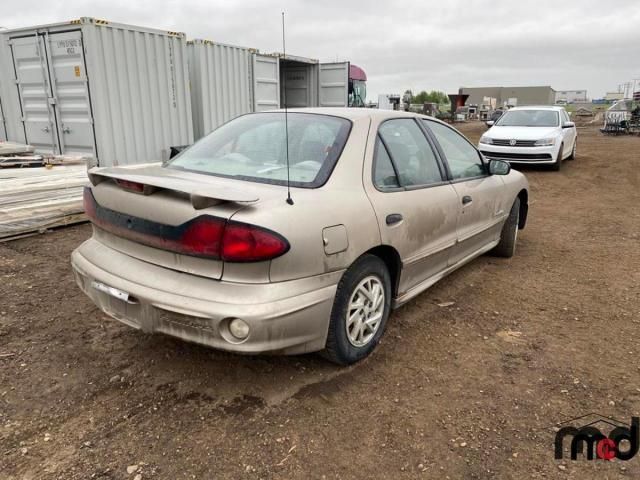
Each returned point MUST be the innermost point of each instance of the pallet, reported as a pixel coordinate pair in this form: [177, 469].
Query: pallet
[35, 199]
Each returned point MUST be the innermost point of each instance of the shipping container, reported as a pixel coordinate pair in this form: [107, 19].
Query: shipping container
[228, 81]
[3, 66]
[116, 93]
[3, 128]
[306, 82]
[220, 78]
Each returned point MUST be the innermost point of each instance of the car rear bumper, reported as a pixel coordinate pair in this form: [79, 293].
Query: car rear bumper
[520, 154]
[286, 317]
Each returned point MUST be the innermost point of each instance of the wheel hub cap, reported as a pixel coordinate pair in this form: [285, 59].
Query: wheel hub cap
[365, 311]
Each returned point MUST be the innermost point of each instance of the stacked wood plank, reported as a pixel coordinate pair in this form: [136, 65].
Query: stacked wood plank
[35, 199]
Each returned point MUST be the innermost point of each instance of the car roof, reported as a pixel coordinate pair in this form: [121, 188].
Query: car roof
[355, 113]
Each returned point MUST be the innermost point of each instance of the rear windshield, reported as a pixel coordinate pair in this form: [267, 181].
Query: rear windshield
[529, 118]
[254, 147]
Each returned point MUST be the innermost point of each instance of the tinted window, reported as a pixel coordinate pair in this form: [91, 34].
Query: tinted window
[410, 152]
[383, 174]
[253, 147]
[463, 159]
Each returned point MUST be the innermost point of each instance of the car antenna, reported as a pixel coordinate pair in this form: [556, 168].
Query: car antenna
[286, 119]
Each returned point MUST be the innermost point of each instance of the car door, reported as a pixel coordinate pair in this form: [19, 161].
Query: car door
[416, 207]
[568, 134]
[480, 211]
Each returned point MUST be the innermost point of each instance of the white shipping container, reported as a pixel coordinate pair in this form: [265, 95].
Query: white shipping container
[228, 81]
[3, 128]
[220, 78]
[113, 92]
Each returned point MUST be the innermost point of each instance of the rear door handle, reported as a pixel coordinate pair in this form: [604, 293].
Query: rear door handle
[394, 218]
[466, 199]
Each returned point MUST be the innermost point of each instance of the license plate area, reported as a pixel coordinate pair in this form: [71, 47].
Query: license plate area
[114, 292]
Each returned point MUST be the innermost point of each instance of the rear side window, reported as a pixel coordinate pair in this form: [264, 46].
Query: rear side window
[462, 157]
[384, 175]
[403, 146]
[254, 147]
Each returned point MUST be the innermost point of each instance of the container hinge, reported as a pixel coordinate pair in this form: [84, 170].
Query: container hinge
[53, 100]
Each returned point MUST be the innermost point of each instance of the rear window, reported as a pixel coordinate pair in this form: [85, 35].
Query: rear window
[254, 147]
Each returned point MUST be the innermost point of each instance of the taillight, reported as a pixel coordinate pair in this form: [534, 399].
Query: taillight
[205, 236]
[129, 185]
[202, 237]
[247, 243]
[89, 203]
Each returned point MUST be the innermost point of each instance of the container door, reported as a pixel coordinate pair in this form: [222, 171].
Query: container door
[334, 84]
[65, 57]
[266, 82]
[34, 90]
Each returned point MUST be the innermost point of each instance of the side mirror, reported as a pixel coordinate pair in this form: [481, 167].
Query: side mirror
[568, 125]
[489, 123]
[499, 167]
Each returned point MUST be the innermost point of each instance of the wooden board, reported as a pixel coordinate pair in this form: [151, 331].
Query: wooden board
[34, 199]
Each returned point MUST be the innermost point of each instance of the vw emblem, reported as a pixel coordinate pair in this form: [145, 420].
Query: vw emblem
[512, 142]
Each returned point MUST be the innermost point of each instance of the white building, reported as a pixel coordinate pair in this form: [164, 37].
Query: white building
[571, 96]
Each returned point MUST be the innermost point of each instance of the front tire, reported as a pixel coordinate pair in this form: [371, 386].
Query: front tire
[509, 235]
[558, 163]
[360, 311]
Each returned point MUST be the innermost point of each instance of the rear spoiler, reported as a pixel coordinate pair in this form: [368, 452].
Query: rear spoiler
[202, 194]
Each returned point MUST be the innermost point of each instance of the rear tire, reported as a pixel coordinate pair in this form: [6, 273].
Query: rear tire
[509, 235]
[353, 331]
[558, 163]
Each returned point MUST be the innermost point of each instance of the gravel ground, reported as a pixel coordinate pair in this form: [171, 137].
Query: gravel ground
[469, 390]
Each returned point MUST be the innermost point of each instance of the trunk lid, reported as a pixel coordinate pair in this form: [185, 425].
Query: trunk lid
[167, 197]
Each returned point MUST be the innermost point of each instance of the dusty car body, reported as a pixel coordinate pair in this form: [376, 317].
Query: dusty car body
[377, 216]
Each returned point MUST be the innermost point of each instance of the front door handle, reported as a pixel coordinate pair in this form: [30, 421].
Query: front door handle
[466, 199]
[394, 218]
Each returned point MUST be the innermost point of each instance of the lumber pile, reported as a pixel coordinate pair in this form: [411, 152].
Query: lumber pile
[35, 199]
[19, 155]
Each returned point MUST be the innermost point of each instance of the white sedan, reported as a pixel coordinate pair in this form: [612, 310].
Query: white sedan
[531, 135]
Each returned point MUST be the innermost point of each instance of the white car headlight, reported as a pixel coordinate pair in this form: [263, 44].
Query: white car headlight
[486, 140]
[545, 142]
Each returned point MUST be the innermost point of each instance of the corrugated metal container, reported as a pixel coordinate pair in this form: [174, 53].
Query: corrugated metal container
[220, 78]
[3, 128]
[228, 81]
[3, 66]
[114, 92]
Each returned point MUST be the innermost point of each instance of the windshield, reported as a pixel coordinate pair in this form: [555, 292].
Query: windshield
[253, 147]
[529, 118]
[622, 106]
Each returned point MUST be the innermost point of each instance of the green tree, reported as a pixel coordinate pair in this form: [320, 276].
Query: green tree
[433, 96]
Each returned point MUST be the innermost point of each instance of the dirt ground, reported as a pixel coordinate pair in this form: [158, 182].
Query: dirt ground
[470, 390]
